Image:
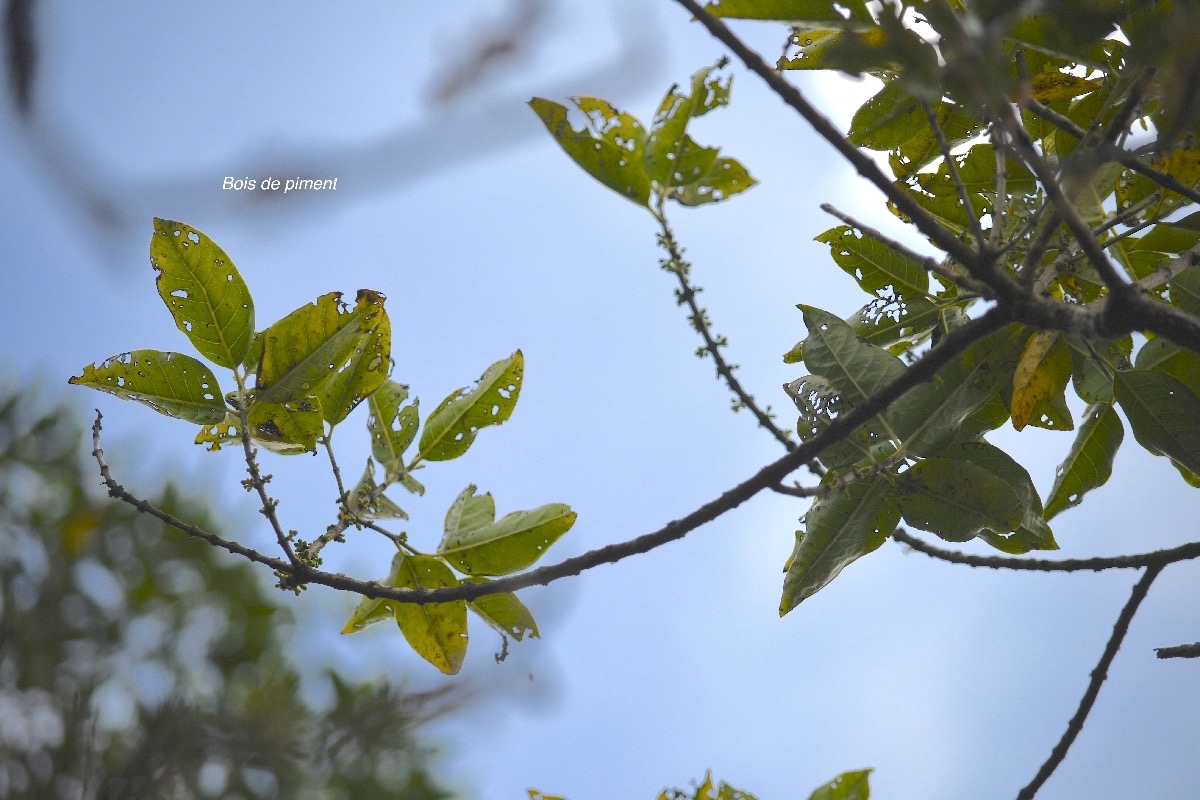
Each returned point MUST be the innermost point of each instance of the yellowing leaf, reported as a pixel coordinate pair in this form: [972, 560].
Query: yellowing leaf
[1042, 373]
[286, 428]
[170, 383]
[1050, 86]
[204, 292]
[476, 545]
[437, 631]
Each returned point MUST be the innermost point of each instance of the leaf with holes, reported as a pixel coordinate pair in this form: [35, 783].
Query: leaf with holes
[325, 350]
[170, 383]
[475, 545]
[437, 631]
[608, 147]
[1033, 533]
[1088, 464]
[219, 433]
[287, 428]
[367, 503]
[839, 528]
[392, 426]
[671, 157]
[726, 178]
[874, 265]
[957, 499]
[204, 292]
[505, 612]
[1163, 412]
[453, 425]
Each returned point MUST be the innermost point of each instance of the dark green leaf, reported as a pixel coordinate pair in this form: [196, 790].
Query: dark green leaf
[834, 351]
[1166, 356]
[874, 265]
[1034, 533]
[608, 147]
[1089, 463]
[453, 425]
[1163, 412]
[839, 528]
[204, 292]
[957, 499]
[170, 383]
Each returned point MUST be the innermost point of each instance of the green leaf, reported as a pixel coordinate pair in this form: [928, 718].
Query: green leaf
[957, 127]
[204, 292]
[840, 528]
[1034, 533]
[800, 13]
[930, 415]
[888, 120]
[475, 545]
[608, 147]
[1163, 412]
[505, 612]
[287, 428]
[368, 504]
[453, 425]
[895, 323]
[1089, 462]
[324, 350]
[369, 611]
[726, 178]
[392, 426]
[1185, 290]
[956, 499]
[437, 631]
[834, 351]
[1178, 362]
[219, 433]
[671, 157]
[170, 383]
[1091, 375]
[874, 265]
[812, 49]
[847, 786]
[819, 403]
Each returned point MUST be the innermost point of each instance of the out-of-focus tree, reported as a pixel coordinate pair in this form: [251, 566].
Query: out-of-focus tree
[141, 664]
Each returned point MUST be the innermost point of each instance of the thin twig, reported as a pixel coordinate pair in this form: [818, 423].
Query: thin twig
[1158, 558]
[686, 294]
[258, 482]
[839, 483]
[1099, 675]
[952, 171]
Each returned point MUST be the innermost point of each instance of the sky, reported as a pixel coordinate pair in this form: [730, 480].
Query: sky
[950, 682]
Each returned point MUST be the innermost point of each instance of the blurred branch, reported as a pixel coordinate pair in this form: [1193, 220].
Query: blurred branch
[22, 53]
[1179, 651]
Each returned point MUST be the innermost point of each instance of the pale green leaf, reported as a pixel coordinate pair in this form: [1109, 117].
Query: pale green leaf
[392, 426]
[366, 369]
[671, 157]
[204, 292]
[170, 383]
[219, 433]
[288, 428]
[1088, 464]
[505, 612]
[367, 503]
[469, 512]
[800, 13]
[839, 528]
[889, 119]
[847, 786]
[726, 178]
[608, 147]
[453, 425]
[812, 49]
[511, 543]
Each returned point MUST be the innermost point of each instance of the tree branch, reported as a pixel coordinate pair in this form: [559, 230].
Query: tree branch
[1099, 675]
[1179, 651]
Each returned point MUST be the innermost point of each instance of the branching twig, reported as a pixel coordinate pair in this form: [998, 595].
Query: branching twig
[1099, 675]
[258, 482]
[952, 171]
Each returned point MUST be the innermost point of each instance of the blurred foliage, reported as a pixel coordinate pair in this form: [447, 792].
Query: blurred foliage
[138, 663]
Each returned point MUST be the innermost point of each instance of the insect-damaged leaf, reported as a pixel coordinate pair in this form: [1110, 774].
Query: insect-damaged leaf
[840, 527]
[204, 292]
[875, 265]
[453, 425]
[956, 499]
[392, 426]
[847, 786]
[170, 383]
[323, 350]
[608, 147]
[475, 545]
[505, 612]
[668, 148]
[1042, 373]
[287, 428]
[1089, 463]
[726, 178]
[801, 13]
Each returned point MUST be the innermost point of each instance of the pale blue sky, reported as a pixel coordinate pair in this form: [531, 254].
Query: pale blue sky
[950, 682]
